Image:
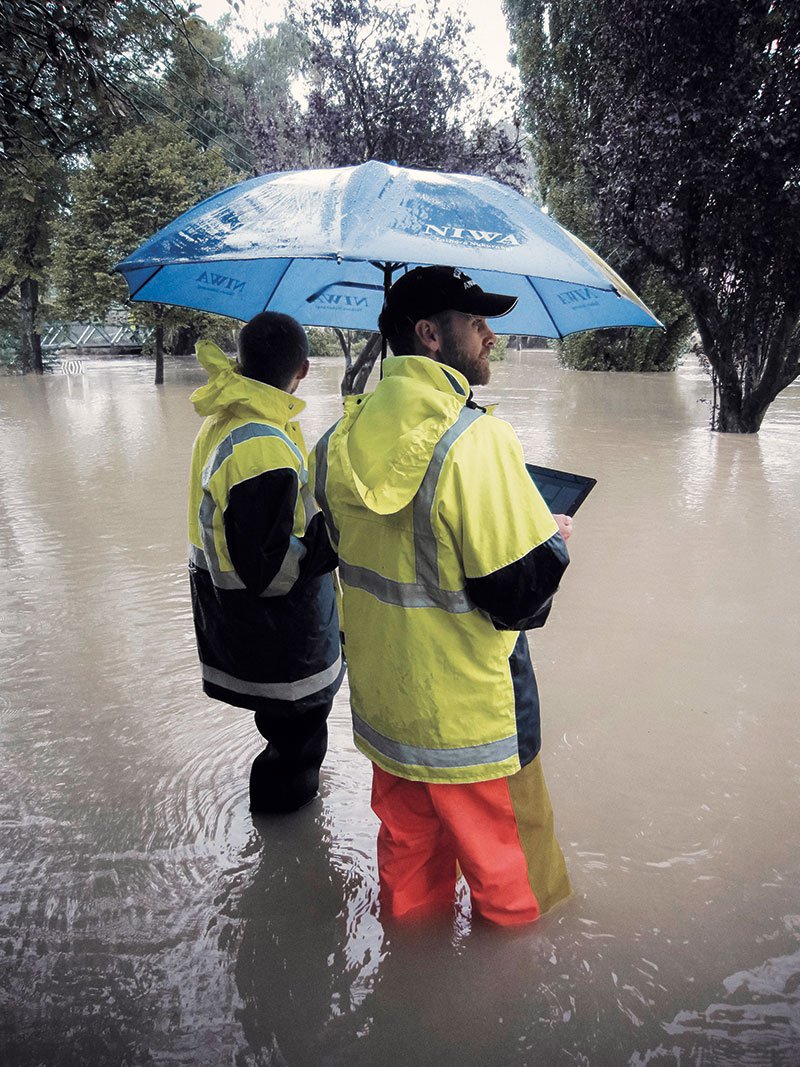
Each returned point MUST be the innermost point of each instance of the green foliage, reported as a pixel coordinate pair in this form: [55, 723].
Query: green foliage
[28, 202]
[8, 351]
[712, 89]
[498, 353]
[271, 116]
[73, 74]
[323, 343]
[687, 130]
[380, 88]
[70, 66]
[143, 180]
[555, 51]
[203, 89]
[635, 350]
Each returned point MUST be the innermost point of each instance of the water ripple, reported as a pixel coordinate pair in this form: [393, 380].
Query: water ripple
[757, 1023]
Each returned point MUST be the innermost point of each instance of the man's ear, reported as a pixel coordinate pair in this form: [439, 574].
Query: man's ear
[303, 370]
[428, 334]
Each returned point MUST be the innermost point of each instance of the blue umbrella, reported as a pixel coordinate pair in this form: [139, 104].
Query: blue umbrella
[323, 245]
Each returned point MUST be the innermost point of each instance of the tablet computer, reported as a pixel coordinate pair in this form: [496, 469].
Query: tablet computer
[563, 492]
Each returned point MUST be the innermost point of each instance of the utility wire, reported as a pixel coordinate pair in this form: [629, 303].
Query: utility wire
[163, 87]
[155, 103]
[159, 109]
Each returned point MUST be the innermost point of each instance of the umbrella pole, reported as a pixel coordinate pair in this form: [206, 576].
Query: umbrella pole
[388, 271]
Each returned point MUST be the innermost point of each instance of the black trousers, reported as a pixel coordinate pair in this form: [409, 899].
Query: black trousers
[286, 774]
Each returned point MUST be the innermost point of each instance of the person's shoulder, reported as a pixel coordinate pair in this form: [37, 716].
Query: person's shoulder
[489, 444]
[489, 428]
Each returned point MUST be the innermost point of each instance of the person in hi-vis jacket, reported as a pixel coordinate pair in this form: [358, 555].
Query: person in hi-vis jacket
[447, 554]
[260, 559]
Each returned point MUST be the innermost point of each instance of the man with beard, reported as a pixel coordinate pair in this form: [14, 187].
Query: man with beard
[447, 554]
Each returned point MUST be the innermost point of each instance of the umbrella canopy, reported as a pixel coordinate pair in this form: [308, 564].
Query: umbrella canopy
[322, 246]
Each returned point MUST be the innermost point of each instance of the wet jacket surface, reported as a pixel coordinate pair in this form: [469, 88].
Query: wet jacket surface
[447, 554]
[259, 557]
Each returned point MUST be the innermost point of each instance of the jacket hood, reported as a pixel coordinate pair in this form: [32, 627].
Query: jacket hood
[386, 438]
[229, 391]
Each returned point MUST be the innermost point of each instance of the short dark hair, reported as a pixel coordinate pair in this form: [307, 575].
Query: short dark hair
[272, 348]
[402, 337]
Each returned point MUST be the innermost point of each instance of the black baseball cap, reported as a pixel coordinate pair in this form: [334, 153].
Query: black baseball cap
[426, 291]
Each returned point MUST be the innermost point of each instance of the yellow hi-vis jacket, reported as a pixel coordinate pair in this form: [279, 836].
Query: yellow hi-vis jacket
[447, 552]
[259, 556]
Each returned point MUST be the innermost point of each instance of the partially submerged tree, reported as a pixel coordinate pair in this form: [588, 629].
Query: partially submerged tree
[28, 204]
[140, 183]
[694, 158]
[701, 165]
[554, 49]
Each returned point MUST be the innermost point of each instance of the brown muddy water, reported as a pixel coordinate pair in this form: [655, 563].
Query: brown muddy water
[145, 919]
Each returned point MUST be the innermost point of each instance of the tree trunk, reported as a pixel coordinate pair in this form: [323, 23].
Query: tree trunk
[184, 339]
[159, 342]
[742, 404]
[748, 378]
[30, 356]
[355, 376]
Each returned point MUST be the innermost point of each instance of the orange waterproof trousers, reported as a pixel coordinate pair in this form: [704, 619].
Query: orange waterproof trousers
[500, 833]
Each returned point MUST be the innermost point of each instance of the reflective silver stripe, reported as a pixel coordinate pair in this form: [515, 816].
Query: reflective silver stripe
[221, 579]
[414, 756]
[404, 594]
[224, 450]
[303, 687]
[425, 547]
[425, 592]
[206, 519]
[289, 570]
[249, 432]
[321, 483]
[310, 508]
[280, 585]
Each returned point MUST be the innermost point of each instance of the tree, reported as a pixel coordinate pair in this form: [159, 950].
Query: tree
[694, 156]
[28, 203]
[70, 71]
[554, 50]
[68, 64]
[384, 86]
[272, 116]
[143, 180]
[202, 89]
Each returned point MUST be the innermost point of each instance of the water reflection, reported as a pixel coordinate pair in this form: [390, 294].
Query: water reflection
[292, 970]
[144, 918]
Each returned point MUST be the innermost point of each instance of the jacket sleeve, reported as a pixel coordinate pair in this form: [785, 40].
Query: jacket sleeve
[258, 521]
[512, 552]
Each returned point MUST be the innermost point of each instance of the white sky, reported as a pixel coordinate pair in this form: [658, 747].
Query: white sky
[490, 37]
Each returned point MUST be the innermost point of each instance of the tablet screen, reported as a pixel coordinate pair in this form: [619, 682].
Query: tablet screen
[563, 492]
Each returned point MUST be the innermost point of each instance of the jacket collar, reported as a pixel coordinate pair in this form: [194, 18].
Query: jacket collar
[427, 370]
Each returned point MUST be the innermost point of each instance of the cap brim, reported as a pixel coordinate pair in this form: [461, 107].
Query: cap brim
[491, 305]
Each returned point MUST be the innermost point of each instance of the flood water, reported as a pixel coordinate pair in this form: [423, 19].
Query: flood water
[146, 919]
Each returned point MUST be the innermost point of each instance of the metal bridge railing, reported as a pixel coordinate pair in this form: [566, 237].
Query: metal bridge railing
[61, 335]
